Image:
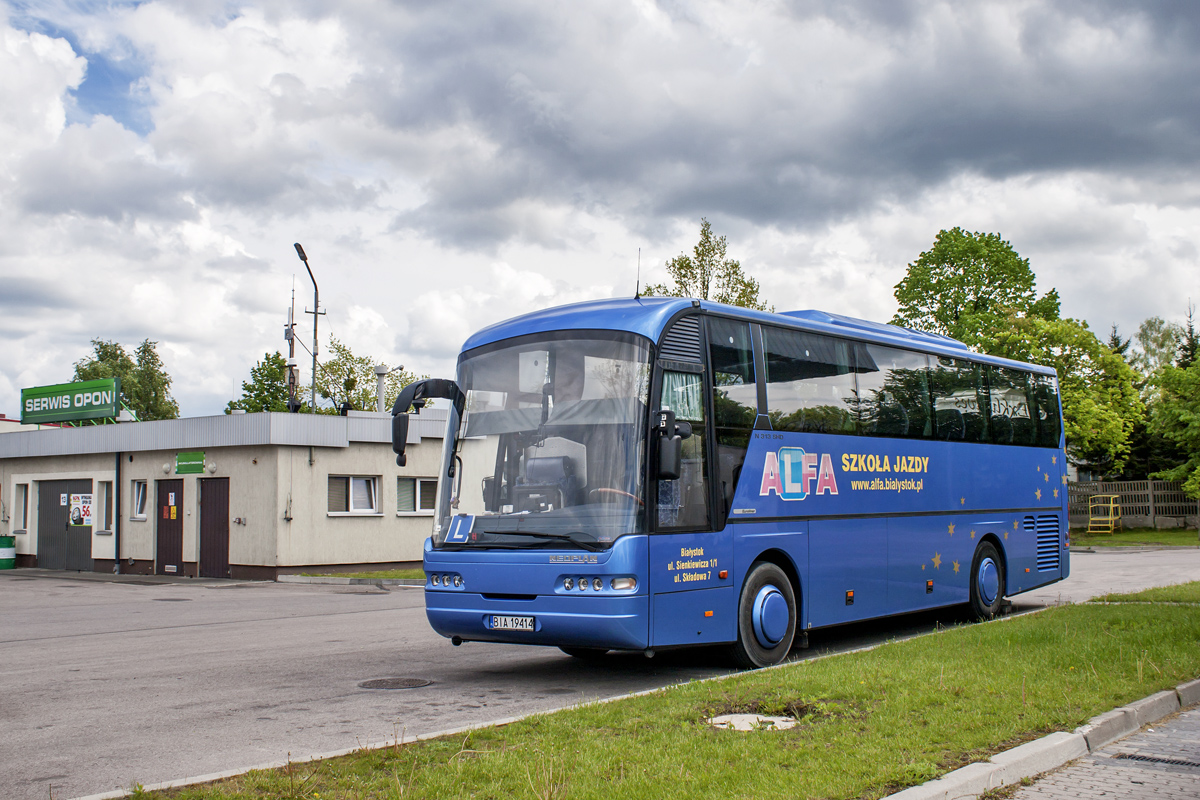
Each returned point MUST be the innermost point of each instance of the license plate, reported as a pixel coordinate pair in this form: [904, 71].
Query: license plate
[500, 623]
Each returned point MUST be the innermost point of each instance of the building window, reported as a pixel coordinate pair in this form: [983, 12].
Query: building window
[350, 494]
[139, 500]
[21, 508]
[416, 495]
[106, 505]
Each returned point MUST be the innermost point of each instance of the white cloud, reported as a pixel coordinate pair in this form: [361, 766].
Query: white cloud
[449, 165]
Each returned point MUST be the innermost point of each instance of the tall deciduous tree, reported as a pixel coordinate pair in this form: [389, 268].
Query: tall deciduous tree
[1157, 345]
[346, 378]
[708, 275]
[1176, 416]
[267, 389]
[967, 285]
[1101, 405]
[145, 384]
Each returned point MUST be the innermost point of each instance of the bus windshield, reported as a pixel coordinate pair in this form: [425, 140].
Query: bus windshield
[550, 448]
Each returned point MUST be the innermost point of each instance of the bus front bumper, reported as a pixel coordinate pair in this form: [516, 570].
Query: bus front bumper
[611, 623]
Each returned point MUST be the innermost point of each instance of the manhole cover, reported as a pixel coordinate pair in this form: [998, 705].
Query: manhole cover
[172, 599]
[394, 683]
[752, 722]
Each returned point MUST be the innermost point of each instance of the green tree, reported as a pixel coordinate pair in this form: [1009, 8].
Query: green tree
[708, 275]
[1187, 341]
[1176, 416]
[968, 285]
[347, 378]
[267, 389]
[1101, 404]
[1157, 345]
[145, 384]
[1118, 345]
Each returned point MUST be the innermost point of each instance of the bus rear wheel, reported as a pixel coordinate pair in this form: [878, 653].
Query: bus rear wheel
[987, 581]
[585, 653]
[766, 617]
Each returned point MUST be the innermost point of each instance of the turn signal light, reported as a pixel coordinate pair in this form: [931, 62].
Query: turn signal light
[623, 584]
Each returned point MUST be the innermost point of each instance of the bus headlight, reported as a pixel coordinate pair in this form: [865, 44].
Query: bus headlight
[568, 584]
[434, 579]
[623, 584]
[597, 584]
[457, 581]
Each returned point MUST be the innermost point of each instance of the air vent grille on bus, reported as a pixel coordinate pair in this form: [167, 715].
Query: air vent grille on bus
[1048, 553]
[682, 342]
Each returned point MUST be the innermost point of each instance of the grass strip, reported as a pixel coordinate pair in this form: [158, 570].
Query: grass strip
[871, 722]
[410, 574]
[1181, 593]
[1177, 537]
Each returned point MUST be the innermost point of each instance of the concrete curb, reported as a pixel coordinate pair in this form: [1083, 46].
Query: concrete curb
[336, 581]
[1054, 750]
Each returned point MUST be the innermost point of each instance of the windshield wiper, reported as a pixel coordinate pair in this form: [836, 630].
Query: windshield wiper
[564, 537]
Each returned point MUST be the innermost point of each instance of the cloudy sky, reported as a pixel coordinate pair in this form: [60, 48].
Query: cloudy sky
[448, 164]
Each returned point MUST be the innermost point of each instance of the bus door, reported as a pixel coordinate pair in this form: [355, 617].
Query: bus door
[691, 552]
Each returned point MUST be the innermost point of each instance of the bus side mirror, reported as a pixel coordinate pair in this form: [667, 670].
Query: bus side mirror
[414, 396]
[399, 437]
[670, 445]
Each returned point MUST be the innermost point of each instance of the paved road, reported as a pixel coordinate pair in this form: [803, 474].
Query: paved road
[107, 683]
[1160, 761]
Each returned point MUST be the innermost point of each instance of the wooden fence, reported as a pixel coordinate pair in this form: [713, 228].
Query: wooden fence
[1144, 504]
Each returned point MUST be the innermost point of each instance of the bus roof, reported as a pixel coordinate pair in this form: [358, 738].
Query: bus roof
[649, 317]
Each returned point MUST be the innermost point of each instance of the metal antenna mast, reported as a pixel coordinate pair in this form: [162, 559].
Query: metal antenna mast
[316, 312]
[289, 333]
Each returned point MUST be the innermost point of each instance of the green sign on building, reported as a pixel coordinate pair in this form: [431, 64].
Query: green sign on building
[189, 463]
[69, 402]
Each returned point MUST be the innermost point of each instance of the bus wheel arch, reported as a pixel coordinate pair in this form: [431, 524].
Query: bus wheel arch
[987, 578]
[768, 613]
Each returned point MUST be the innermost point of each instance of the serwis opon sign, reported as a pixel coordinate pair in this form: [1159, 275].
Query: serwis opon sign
[66, 402]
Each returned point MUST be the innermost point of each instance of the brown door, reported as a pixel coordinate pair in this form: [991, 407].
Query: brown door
[214, 527]
[169, 556]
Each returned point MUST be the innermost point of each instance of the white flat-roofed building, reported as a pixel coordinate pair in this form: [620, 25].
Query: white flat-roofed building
[248, 496]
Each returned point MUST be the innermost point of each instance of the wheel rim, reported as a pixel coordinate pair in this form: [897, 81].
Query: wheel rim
[771, 616]
[988, 581]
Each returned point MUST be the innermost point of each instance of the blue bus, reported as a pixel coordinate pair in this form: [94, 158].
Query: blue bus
[652, 473]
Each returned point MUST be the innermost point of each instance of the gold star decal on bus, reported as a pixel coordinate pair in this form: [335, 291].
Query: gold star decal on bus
[937, 560]
[972, 534]
[1039, 466]
[956, 566]
[951, 528]
[1006, 534]
[1047, 477]
[1039, 494]
[1064, 480]
[1014, 524]
[1053, 459]
[962, 501]
[922, 568]
[1056, 494]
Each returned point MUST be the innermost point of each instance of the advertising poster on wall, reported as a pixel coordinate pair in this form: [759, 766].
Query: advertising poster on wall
[81, 510]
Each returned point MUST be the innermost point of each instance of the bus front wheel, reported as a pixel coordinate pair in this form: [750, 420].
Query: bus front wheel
[766, 617]
[987, 581]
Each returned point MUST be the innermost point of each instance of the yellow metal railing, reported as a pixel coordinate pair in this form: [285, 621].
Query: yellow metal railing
[1104, 513]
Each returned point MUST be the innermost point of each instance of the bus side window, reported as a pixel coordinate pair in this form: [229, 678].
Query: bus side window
[1011, 420]
[893, 392]
[735, 397]
[960, 400]
[810, 382]
[1045, 393]
[683, 503]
